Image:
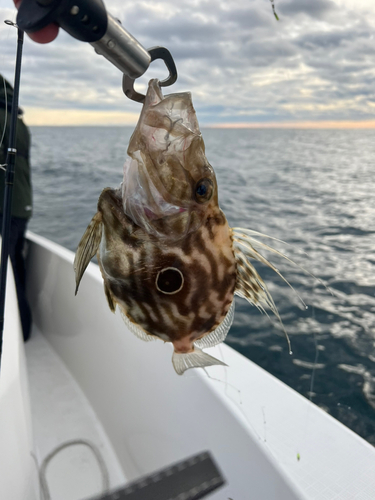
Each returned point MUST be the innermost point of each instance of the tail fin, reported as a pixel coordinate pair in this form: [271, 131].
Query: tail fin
[195, 359]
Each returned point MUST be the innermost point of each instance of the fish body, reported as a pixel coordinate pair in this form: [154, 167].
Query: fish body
[167, 255]
[177, 291]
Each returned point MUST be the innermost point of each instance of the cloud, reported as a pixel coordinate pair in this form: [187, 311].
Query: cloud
[317, 9]
[240, 64]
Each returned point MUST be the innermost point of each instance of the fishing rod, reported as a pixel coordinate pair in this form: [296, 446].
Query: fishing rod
[9, 179]
[87, 21]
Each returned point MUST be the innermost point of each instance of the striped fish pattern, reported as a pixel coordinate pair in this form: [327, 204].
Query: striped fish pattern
[168, 257]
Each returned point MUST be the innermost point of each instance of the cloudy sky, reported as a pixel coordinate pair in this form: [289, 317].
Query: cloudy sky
[314, 67]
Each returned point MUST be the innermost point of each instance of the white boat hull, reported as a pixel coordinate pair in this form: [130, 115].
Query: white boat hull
[269, 442]
[18, 472]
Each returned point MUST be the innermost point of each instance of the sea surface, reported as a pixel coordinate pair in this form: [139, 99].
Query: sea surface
[313, 189]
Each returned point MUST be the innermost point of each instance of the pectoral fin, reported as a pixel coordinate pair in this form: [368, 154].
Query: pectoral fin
[87, 247]
[111, 302]
[195, 359]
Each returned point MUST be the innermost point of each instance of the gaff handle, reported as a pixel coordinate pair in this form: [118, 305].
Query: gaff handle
[88, 21]
[85, 20]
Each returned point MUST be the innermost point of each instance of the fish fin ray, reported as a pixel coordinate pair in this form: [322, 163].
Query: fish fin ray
[137, 330]
[219, 334]
[87, 247]
[257, 233]
[247, 242]
[250, 285]
[239, 233]
[195, 359]
[111, 302]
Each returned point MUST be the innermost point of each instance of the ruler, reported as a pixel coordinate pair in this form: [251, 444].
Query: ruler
[190, 479]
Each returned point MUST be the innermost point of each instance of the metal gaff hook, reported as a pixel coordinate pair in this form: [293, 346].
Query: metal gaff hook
[155, 53]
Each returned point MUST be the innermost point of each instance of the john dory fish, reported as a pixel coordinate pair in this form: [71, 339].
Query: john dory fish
[168, 258]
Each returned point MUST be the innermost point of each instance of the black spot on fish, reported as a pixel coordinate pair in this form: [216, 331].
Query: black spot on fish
[169, 280]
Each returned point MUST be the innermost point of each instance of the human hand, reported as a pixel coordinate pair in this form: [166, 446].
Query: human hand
[44, 35]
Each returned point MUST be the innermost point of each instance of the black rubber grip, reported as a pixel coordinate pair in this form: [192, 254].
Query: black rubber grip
[85, 20]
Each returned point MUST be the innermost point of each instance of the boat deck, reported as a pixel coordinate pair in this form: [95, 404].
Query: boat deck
[62, 414]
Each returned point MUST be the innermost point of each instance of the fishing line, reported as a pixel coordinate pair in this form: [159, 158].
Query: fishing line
[226, 373]
[316, 357]
[312, 380]
[265, 424]
[226, 384]
[239, 404]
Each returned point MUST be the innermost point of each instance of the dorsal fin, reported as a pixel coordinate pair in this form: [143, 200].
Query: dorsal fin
[111, 302]
[219, 334]
[87, 247]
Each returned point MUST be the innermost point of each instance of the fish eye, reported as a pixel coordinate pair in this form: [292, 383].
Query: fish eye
[204, 190]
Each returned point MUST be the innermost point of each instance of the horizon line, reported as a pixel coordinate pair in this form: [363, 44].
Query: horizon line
[365, 124]
[323, 124]
[92, 118]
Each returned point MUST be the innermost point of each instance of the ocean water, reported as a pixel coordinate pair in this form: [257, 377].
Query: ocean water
[313, 189]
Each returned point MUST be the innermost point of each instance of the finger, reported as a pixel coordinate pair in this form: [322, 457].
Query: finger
[45, 35]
